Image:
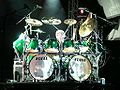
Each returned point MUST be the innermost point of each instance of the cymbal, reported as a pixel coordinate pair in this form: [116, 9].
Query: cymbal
[38, 30]
[51, 21]
[34, 22]
[87, 27]
[70, 21]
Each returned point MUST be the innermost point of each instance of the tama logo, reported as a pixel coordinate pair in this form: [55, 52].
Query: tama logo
[41, 58]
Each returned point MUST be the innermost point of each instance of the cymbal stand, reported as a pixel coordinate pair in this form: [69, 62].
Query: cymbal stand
[24, 56]
[60, 76]
[40, 46]
[67, 28]
[55, 27]
[96, 55]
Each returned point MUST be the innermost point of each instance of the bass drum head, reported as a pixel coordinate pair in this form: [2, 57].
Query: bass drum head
[41, 67]
[79, 68]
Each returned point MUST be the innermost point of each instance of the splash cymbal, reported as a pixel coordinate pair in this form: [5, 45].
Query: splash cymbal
[34, 22]
[38, 30]
[70, 21]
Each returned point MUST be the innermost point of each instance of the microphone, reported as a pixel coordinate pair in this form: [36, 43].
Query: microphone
[38, 6]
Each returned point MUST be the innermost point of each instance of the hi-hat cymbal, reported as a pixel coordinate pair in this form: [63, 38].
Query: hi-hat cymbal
[38, 30]
[34, 22]
[70, 21]
[51, 21]
[87, 27]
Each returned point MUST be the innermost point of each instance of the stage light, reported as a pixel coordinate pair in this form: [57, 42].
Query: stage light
[81, 10]
[52, 4]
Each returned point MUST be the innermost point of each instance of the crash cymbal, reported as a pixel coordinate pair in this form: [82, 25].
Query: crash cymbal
[38, 30]
[87, 27]
[51, 21]
[34, 22]
[70, 21]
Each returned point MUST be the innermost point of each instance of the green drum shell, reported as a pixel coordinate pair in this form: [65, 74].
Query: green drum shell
[51, 45]
[68, 43]
[68, 46]
[19, 45]
[33, 44]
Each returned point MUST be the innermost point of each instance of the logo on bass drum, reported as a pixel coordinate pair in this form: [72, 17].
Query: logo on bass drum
[41, 58]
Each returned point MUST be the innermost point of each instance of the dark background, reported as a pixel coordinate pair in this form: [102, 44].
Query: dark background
[11, 11]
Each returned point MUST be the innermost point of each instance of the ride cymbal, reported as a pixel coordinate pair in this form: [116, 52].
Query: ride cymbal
[34, 22]
[51, 21]
[70, 21]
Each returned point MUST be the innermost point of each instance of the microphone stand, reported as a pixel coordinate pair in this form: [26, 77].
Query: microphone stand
[27, 15]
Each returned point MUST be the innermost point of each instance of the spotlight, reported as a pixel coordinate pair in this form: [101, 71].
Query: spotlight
[81, 11]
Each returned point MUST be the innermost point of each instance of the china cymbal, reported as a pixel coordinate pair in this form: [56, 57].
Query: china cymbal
[34, 22]
[87, 27]
[70, 21]
[38, 30]
[51, 21]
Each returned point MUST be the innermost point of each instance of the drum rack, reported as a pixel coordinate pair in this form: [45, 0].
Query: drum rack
[77, 65]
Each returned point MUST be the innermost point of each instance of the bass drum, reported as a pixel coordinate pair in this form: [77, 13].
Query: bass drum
[79, 68]
[41, 67]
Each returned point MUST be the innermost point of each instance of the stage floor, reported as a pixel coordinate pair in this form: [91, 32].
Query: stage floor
[57, 85]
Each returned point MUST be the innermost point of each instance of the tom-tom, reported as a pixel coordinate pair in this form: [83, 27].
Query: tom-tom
[81, 47]
[68, 46]
[33, 45]
[79, 68]
[51, 46]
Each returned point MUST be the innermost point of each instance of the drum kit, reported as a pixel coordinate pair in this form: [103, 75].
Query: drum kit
[57, 58]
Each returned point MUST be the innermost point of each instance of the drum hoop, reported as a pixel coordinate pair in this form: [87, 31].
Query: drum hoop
[30, 68]
[90, 64]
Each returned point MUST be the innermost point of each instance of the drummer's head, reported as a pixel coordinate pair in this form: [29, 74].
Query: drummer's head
[59, 35]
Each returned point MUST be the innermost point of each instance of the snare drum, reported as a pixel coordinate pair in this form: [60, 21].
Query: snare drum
[68, 46]
[79, 68]
[51, 46]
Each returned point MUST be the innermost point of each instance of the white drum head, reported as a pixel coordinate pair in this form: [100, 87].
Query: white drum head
[79, 68]
[41, 67]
